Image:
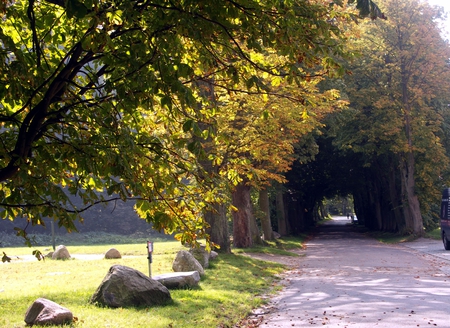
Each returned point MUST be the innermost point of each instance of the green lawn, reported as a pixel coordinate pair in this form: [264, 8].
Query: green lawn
[394, 238]
[227, 293]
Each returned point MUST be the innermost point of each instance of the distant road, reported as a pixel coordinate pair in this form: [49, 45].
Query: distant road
[349, 280]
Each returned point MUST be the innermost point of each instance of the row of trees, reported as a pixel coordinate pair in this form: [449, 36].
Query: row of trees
[391, 145]
[185, 107]
[402, 131]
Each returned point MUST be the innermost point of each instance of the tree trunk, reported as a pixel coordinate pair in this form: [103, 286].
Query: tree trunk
[344, 205]
[217, 216]
[254, 230]
[281, 214]
[413, 217]
[394, 193]
[411, 206]
[218, 228]
[265, 218]
[377, 204]
[322, 211]
[242, 233]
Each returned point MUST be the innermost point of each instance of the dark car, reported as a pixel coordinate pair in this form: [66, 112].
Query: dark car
[445, 218]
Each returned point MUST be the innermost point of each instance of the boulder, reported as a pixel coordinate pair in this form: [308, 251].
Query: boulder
[201, 255]
[45, 312]
[213, 255]
[179, 279]
[113, 253]
[127, 287]
[185, 262]
[61, 253]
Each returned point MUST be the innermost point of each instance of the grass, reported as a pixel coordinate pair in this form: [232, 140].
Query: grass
[276, 247]
[434, 234]
[390, 237]
[232, 287]
[90, 238]
[394, 238]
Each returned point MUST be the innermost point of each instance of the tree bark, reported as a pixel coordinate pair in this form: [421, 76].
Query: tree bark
[218, 228]
[322, 211]
[254, 230]
[242, 233]
[281, 214]
[265, 218]
[413, 216]
[376, 200]
[217, 217]
[411, 206]
[394, 193]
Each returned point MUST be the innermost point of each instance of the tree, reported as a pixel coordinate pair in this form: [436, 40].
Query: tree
[256, 136]
[94, 95]
[396, 87]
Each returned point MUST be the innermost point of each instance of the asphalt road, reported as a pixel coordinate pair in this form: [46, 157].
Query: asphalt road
[349, 280]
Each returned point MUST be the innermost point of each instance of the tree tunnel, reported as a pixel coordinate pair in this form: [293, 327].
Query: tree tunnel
[373, 184]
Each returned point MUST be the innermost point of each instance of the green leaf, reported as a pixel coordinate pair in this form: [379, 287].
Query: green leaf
[76, 9]
[187, 126]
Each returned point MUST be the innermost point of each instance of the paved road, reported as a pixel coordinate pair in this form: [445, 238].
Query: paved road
[348, 280]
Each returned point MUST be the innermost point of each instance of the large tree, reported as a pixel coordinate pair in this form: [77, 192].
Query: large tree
[259, 134]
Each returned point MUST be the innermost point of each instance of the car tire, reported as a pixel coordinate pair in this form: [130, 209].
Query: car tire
[446, 242]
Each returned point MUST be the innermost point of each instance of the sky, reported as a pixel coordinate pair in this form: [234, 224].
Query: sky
[446, 5]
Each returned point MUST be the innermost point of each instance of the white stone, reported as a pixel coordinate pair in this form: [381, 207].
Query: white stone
[178, 279]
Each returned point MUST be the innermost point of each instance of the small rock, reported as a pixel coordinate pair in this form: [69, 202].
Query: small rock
[113, 253]
[213, 255]
[61, 253]
[201, 255]
[185, 262]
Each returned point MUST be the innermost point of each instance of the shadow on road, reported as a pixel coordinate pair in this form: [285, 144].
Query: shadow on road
[339, 228]
[348, 279]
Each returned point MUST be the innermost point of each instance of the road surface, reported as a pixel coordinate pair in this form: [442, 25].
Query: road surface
[349, 280]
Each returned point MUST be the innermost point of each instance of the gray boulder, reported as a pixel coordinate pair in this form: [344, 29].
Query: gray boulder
[61, 253]
[127, 287]
[112, 253]
[179, 279]
[45, 312]
[201, 255]
[213, 255]
[185, 262]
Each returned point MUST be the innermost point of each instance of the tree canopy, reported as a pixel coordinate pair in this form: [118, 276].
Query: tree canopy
[102, 99]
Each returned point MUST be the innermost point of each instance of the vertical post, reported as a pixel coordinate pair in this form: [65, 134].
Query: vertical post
[149, 257]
